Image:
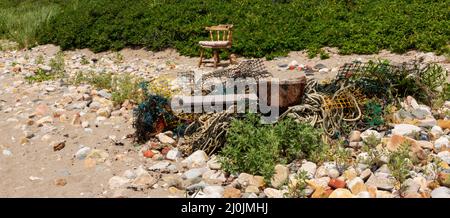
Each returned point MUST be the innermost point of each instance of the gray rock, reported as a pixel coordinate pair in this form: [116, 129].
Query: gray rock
[420, 113]
[103, 93]
[143, 182]
[383, 183]
[441, 192]
[129, 174]
[194, 173]
[117, 182]
[160, 166]
[82, 153]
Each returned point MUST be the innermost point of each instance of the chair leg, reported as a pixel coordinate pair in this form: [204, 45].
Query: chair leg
[201, 57]
[216, 58]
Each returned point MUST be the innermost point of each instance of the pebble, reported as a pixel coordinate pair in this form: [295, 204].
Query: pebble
[445, 156]
[356, 186]
[355, 136]
[7, 152]
[82, 153]
[441, 192]
[280, 176]
[380, 182]
[441, 143]
[85, 124]
[173, 154]
[194, 173]
[160, 166]
[273, 193]
[341, 193]
[165, 139]
[116, 182]
[230, 192]
[405, 129]
[214, 164]
[309, 167]
[197, 159]
[129, 174]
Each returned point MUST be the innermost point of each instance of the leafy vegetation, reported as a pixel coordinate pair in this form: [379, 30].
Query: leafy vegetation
[262, 28]
[399, 162]
[122, 87]
[256, 148]
[297, 188]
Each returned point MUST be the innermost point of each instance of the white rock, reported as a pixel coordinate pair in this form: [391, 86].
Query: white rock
[197, 159]
[7, 152]
[117, 182]
[309, 167]
[173, 154]
[273, 193]
[34, 178]
[405, 129]
[437, 131]
[441, 142]
[85, 124]
[163, 138]
[82, 153]
[280, 176]
[194, 173]
[445, 156]
[441, 192]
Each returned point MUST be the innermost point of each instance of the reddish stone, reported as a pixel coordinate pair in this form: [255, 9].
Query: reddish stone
[148, 154]
[165, 150]
[336, 183]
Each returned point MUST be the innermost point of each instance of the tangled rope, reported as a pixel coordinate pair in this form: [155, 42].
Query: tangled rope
[208, 132]
[317, 110]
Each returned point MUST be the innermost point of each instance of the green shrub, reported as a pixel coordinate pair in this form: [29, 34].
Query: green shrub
[399, 162]
[256, 148]
[262, 28]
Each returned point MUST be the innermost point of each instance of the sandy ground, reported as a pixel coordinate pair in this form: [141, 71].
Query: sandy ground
[33, 166]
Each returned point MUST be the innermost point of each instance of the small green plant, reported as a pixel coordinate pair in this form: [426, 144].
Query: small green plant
[125, 87]
[297, 188]
[256, 148]
[40, 75]
[57, 63]
[373, 153]
[84, 61]
[323, 54]
[399, 162]
[118, 58]
[342, 157]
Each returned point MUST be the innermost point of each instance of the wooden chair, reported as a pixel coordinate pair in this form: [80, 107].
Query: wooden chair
[221, 37]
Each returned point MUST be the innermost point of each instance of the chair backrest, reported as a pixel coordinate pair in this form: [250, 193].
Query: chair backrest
[223, 32]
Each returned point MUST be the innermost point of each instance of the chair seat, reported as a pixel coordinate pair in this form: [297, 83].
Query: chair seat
[214, 44]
